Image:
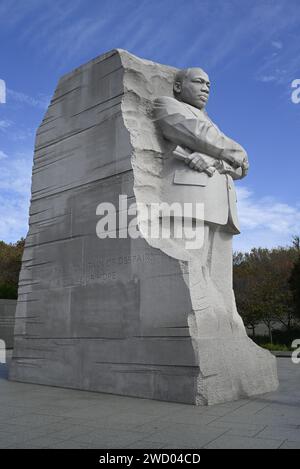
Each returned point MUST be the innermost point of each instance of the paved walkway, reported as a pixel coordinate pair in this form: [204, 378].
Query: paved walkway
[33, 416]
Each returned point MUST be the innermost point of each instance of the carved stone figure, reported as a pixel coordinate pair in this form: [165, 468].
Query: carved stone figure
[205, 161]
[200, 169]
[134, 316]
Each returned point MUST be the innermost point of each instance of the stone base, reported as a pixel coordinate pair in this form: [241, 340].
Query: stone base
[229, 369]
[233, 368]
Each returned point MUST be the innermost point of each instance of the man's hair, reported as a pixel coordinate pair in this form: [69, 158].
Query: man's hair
[179, 78]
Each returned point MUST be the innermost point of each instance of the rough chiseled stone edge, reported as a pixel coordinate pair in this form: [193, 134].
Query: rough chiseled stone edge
[204, 396]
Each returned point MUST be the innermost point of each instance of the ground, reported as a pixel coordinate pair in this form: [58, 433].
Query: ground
[33, 416]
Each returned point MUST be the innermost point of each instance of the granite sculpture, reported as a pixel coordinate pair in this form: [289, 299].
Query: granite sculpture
[140, 316]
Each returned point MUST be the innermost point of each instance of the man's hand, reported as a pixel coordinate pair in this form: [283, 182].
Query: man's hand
[240, 160]
[201, 163]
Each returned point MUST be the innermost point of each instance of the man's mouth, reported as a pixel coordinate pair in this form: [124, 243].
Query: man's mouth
[203, 97]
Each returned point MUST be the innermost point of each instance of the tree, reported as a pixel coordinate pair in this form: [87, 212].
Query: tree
[244, 285]
[251, 317]
[261, 281]
[296, 243]
[294, 282]
[10, 265]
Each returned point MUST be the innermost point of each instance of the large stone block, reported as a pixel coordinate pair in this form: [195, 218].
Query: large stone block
[115, 315]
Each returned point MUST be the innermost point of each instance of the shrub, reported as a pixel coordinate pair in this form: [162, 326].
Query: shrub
[8, 292]
[276, 347]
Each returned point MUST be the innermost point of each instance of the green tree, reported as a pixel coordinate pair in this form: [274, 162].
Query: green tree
[244, 287]
[261, 282]
[296, 243]
[10, 265]
[294, 282]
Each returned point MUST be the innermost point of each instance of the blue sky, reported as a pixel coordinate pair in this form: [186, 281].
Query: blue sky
[250, 48]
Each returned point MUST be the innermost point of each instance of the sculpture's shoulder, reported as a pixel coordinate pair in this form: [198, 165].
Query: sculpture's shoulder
[164, 106]
[166, 101]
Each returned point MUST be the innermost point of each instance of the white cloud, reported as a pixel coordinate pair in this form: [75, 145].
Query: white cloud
[13, 12]
[13, 219]
[15, 133]
[278, 76]
[41, 101]
[277, 44]
[2, 155]
[15, 181]
[4, 124]
[267, 78]
[265, 222]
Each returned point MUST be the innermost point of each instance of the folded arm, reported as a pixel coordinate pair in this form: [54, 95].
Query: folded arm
[199, 135]
[204, 163]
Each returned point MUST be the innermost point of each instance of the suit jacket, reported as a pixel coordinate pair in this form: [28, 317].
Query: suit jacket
[191, 128]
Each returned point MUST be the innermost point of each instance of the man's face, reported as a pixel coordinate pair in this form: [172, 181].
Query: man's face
[195, 88]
